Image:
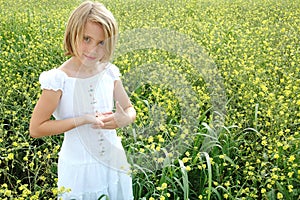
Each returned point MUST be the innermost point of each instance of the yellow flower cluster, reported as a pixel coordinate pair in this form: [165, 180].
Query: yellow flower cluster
[254, 77]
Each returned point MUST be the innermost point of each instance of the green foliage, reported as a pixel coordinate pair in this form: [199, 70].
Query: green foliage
[177, 149]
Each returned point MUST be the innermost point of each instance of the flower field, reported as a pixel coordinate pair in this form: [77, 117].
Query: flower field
[216, 85]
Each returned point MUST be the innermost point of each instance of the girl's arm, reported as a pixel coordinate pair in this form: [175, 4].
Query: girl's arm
[40, 123]
[125, 113]
[123, 100]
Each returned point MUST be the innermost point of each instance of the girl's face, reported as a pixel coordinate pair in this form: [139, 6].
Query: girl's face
[91, 47]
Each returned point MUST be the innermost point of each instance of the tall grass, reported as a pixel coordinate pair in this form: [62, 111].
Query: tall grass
[182, 146]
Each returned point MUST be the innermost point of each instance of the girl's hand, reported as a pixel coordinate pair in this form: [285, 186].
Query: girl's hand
[114, 120]
[121, 117]
[94, 119]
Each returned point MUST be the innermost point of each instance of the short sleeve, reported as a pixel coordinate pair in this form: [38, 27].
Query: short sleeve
[114, 72]
[53, 79]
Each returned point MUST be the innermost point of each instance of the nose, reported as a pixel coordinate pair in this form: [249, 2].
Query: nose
[91, 50]
[95, 48]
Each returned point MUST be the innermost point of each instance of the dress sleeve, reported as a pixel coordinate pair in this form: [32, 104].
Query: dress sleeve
[114, 72]
[53, 79]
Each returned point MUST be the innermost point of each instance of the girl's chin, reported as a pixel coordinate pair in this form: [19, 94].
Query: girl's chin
[89, 62]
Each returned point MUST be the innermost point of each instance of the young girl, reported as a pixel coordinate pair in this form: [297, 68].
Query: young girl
[80, 94]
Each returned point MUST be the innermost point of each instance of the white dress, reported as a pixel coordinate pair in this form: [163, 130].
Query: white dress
[92, 162]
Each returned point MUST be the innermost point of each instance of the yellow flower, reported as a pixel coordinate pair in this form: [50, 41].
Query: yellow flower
[162, 198]
[279, 195]
[263, 87]
[31, 164]
[227, 184]
[291, 158]
[170, 155]
[161, 140]
[279, 144]
[164, 186]
[152, 146]
[200, 196]
[290, 174]
[225, 196]
[222, 156]
[285, 147]
[290, 187]
[263, 190]
[150, 139]
[7, 193]
[160, 160]
[142, 150]
[275, 176]
[10, 156]
[264, 142]
[188, 168]
[185, 160]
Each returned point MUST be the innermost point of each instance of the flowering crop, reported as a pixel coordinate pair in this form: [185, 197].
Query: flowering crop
[177, 149]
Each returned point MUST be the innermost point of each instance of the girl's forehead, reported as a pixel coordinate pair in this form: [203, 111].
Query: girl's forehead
[93, 29]
[92, 25]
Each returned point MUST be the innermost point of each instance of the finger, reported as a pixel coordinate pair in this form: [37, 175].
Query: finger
[98, 124]
[99, 121]
[105, 123]
[109, 125]
[107, 113]
[98, 114]
[108, 118]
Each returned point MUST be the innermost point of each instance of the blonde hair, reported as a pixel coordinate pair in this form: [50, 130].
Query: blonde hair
[93, 12]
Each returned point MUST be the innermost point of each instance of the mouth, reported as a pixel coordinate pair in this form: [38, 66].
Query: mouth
[90, 57]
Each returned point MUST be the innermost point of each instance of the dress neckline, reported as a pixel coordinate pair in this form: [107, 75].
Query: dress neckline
[87, 78]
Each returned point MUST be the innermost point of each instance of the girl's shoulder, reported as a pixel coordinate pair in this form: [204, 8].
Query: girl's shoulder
[53, 74]
[52, 79]
[113, 71]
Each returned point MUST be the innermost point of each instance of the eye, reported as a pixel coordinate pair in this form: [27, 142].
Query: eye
[101, 43]
[86, 39]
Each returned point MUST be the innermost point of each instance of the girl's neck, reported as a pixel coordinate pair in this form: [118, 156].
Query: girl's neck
[74, 68]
